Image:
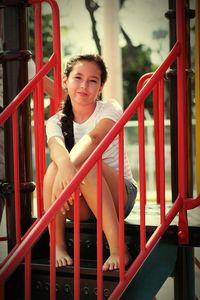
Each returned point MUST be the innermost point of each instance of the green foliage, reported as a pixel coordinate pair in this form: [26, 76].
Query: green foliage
[136, 61]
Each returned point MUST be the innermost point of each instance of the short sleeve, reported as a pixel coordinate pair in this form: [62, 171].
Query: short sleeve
[111, 110]
[53, 127]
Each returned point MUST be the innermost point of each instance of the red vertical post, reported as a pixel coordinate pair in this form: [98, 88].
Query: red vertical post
[121, 204]
[16, 177]
[181, 89]
[181, 107]
[99, 232]
[53, 259]
[57, 51]
[39, 108]
[161, 150]
[142, 175]
[77, 245]
[156, 140]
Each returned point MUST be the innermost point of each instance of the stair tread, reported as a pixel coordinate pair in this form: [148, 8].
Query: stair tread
[86, 266]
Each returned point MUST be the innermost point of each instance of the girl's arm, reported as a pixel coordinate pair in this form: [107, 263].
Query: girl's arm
[68, 163]
[81, 150]
[88, 143]
[49, 88]
[58, 152]
[65, 169]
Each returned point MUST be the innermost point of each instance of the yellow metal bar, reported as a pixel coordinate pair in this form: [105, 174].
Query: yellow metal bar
[197, 91]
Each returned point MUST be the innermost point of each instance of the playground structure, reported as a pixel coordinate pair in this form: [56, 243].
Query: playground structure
[162, 240]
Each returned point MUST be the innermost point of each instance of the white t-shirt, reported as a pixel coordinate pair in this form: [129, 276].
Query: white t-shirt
[104, 110]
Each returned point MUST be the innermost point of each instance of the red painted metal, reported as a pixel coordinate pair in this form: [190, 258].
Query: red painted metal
[143, 79]
[154, 83]
[149, 246]
[16, 176]
[181, 92]
[52, 107]
[15, 103]
[158, 108]
[39, 110]
[53, 259]
[156, 139]
[42, 223]
[121, 204]
[142, 175]
[36, 85]
[192, 203]
[161, 153]
[3, 238]
[77, 245]
[99, 232]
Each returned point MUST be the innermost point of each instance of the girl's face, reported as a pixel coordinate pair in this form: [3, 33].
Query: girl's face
[84, 83]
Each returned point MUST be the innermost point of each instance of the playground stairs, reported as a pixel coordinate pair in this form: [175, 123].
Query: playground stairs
[158, 266]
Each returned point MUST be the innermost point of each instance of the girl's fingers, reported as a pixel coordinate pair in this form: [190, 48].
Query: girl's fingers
[70, 201]
[63, 211]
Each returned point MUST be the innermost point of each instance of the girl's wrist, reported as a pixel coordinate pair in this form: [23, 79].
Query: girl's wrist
[63, 161]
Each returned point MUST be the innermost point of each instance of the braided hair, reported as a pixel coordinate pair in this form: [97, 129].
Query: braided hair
[67, 124]
[67, 111]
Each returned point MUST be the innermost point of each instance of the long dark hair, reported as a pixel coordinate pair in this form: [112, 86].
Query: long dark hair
[67, 124]
[67, 111]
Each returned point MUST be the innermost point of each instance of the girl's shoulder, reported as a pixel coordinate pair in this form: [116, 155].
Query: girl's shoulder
[110, 104]
[109, 109]
[57, 116]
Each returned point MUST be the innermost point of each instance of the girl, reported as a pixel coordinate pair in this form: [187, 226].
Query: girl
[72, 136]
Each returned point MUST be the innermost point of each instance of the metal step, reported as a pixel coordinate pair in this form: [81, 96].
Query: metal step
[64, 281]
[157, 267]
[64, 275]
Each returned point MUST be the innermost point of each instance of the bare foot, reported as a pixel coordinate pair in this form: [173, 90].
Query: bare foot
[112, 263]
[62, 257]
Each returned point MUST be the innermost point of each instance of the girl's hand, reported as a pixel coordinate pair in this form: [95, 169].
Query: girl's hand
[64, 176]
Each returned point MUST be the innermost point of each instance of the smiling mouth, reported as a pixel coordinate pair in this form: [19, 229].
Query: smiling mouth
[82, 94]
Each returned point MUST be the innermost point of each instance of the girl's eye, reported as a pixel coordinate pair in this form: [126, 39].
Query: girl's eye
[93, 81]
[77, 77]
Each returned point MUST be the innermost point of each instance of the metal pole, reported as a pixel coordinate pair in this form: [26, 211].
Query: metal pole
[14, 60]
[184, 270]
[172, 79]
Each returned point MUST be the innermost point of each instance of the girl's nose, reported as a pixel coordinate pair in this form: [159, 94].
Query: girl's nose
[84, 83]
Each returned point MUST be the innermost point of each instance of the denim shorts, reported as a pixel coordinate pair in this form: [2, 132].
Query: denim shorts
[131, 196]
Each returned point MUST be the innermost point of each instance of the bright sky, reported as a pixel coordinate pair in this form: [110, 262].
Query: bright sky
[139, 18]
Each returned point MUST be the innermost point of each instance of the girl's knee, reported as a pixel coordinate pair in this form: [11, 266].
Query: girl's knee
[48, 181]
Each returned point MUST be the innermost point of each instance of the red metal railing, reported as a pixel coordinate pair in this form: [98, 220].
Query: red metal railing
[154, 84]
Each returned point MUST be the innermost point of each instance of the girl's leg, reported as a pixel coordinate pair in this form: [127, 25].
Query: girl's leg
[62, 257]
[110, 210]
[87, 203]
[111, 178]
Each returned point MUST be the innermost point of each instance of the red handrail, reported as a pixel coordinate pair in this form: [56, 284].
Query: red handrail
[154, 83]
[35, 86]
[149, 246]
[15, 103]
[90, 162]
